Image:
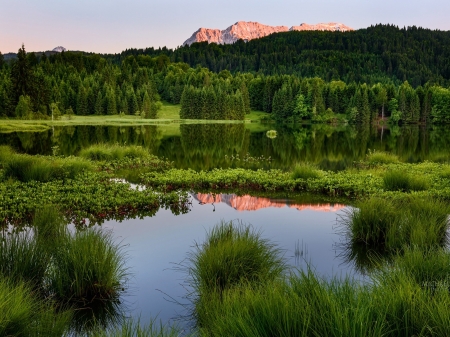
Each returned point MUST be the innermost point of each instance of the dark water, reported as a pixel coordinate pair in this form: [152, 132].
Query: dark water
[208, 146]
[156, 246]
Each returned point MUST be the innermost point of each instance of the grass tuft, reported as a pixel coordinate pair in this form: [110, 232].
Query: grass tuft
[380, 157]
[305, 171]
[397, 180]
[104, 152]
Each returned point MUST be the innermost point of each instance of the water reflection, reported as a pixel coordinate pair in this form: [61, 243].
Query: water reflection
[207, 146]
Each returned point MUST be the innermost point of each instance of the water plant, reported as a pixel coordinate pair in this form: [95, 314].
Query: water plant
[397, 180]
[233, 254]
[380, 157]
[87, 266]
[304, 171]
[113, 152]
[130, 328]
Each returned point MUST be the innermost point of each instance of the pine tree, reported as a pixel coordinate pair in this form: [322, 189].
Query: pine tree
[99, 104]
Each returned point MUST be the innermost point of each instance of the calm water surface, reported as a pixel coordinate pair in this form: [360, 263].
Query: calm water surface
[156, 245]
[207, 146]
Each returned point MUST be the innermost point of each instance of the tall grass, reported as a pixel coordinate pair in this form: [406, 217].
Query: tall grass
[131, 328]
[397, 180]
[234, 254]
[112, 152]
[22, 314]
[87, 266]
[389, 225]
[380, 157]
[21, 258]
[5, 153]
[304, 171]
[27, 168]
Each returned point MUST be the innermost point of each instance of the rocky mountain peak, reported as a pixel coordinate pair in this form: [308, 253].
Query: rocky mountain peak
[248, 30]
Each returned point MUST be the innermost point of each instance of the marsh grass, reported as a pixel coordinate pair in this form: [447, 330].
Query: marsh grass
[22, 314]
[130, 328]
[87, 266]
[21, 258]
[101, 152]
[380, 157]
[5, 153]
[397, 180]
[27, 168]
[234, 254]
[387, 226]
[304, 171]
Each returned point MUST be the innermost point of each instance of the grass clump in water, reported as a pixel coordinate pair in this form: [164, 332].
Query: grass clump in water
[390, 225]
[397, 180]
[130, 328]
[104, 152]
[87, 266]
[380, 157]
[234, 254]
[305, 171]
[27, 168]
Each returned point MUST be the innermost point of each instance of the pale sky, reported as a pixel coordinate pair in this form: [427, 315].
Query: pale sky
[110, 26]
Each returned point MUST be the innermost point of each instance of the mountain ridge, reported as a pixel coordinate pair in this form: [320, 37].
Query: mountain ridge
[249, 30]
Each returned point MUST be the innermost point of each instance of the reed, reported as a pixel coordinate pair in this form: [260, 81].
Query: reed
[130, 328]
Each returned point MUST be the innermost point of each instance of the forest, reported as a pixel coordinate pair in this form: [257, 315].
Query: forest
[382, 72]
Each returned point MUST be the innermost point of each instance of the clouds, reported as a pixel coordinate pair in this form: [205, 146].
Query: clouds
[114, 25]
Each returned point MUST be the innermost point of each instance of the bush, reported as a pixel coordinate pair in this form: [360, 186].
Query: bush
[304, 171]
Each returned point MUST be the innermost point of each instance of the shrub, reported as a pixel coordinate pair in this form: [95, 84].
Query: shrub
[304, 171]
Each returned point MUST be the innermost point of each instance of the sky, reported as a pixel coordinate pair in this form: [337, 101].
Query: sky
[111, 26]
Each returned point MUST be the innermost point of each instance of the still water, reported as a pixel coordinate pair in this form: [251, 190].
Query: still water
[207, 146]
[156, 246]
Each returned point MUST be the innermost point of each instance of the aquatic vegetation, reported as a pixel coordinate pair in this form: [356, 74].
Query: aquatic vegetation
[398, 180]
[21, 314]
[87, 266]
[391, 225]
[233, 254]
[380, 157]
[131, 328]
[305, 171]
[106, 152]
[27, 168]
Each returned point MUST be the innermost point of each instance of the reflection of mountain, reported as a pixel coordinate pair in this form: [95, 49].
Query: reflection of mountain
[249, 203]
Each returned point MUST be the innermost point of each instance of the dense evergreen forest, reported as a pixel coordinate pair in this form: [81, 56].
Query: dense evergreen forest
[358, 77]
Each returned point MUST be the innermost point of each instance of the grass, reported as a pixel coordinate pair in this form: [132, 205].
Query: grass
[21, 314]
[27, 168]
[131, 328]
[234, 254]
[87, 266]
[389, 225]
[397, 180]
[106, 152]
[380, 157]
[304, 171]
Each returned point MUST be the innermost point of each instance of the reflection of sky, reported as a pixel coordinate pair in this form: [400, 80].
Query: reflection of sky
[156, 243]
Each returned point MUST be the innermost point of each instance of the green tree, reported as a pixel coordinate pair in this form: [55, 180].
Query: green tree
[23, 108]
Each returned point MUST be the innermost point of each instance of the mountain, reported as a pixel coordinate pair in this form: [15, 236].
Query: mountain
[254, 30]
[59, 49]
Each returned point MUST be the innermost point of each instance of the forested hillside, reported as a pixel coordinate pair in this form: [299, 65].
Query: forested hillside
[358, 77]
[379, 53]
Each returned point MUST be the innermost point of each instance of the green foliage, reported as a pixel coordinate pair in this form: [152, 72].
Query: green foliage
[106, 152]
[379, 157]
[87, 266]
[397, 180]
[305, 171]
[233, 255]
